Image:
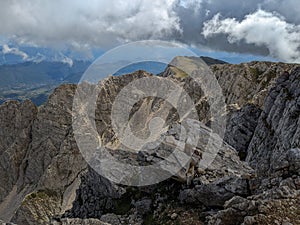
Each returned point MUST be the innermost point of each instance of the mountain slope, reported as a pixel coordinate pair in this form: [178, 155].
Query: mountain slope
[51, 182]
[35, 81]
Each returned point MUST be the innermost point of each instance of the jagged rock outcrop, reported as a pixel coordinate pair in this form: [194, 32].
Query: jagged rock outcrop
[279, 205]
[273, 149]
[275, 155]
[226, 164]
[47, 181]
[50, 167]
[241, 126]
[15, 136]
[94, 197]
[52, 138]
[249, 82]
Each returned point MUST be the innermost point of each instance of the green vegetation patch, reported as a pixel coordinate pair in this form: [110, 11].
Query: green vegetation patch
[41, 194]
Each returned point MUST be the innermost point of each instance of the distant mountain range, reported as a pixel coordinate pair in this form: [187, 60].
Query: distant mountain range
[14, 54]
[30, 73]
[36, 80]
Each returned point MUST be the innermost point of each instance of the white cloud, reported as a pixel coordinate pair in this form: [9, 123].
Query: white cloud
[7, 50]
[92, 22]
[83, 25]
[262, 29]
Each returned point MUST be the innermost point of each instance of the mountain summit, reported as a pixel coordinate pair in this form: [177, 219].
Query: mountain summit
[254, 178]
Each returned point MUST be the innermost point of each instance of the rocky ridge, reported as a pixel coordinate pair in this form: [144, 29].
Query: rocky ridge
[46, 179]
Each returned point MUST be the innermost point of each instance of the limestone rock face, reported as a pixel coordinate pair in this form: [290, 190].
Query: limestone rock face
[51, 138]
[241, 126]
[53, 163]
[226, 164]
[249, 82]
[46, 180]
[109, 90]
[50, 161]
[94, 197]
[279, 205]
[16, 123]
[274, 154]
[274, 148]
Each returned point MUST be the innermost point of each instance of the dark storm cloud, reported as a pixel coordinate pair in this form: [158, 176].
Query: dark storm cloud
[225, 25]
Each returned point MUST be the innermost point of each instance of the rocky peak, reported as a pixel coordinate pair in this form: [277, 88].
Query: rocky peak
[16, 121]
[249, 82]
[274, 154]
[273, 148]
[46, 180]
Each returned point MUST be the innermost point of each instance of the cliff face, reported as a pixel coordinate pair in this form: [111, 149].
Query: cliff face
[15, 137]
[50, 163]
[274, 148]
[249, 82]
[46, 180]
[274, 154]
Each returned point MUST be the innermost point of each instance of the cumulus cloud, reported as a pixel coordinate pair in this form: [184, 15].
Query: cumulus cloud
[92, 22]
[83, 25]
[262, 29]
[7, 50]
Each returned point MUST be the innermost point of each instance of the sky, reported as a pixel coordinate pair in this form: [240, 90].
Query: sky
[235, 30]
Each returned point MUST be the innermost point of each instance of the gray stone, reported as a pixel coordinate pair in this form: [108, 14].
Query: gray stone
[111, 219]
[45, 176]
[143, 206]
